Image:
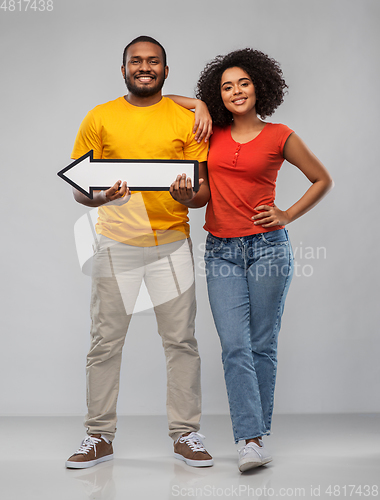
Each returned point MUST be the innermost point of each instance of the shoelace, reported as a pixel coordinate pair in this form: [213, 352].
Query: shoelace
[87, 444]
[245, 449]
[194, 440]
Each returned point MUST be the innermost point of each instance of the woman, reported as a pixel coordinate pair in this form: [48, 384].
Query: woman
[249, 261]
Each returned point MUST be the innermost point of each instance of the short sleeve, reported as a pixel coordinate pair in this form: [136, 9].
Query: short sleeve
[88, 137]
[284, 134]
[195, 151]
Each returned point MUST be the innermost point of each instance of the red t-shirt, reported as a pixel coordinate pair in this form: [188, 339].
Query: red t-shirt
[242, 177]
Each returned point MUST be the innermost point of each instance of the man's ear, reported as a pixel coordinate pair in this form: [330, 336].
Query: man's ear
[123, 71]
[166, 71]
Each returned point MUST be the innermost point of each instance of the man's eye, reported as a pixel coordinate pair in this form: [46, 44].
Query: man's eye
[154, 61]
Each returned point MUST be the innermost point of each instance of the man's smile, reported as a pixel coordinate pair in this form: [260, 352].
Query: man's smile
[145, 78]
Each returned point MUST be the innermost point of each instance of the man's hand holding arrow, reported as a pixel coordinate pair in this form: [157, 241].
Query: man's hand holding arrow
[182, 189]
[118, 194]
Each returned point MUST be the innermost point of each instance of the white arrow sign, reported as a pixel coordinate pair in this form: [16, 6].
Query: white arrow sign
[88, 175]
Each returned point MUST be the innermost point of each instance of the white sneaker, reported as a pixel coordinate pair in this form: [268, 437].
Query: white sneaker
[252, 455]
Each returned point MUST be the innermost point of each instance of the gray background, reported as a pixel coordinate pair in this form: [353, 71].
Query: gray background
[57, 65]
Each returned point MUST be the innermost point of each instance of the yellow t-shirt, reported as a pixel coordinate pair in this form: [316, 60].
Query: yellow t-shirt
[117, 129]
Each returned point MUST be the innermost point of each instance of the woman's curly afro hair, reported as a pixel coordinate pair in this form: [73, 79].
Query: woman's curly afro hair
[266, 76]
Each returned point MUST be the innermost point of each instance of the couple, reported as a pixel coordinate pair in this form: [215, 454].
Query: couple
[145, 235]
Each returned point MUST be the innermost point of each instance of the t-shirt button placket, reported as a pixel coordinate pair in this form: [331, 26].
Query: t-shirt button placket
[236, 155]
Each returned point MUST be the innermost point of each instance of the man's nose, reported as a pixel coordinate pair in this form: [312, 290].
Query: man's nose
[144, 66]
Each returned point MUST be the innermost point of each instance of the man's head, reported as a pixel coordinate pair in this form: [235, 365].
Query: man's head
[144, 67]
[148, 39]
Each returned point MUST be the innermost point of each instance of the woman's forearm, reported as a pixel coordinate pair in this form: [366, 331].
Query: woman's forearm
[185, 102]
[311, 198]
[297, 153]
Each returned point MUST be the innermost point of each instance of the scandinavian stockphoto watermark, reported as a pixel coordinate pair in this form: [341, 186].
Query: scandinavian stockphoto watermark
[174, 260]
[263, 264]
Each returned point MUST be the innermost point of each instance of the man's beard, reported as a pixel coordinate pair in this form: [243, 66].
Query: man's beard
[142, 91]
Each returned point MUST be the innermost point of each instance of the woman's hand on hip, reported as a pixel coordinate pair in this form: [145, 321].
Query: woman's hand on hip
[270, 216]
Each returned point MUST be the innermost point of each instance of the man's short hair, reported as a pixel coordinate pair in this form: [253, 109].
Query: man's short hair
[144, 38]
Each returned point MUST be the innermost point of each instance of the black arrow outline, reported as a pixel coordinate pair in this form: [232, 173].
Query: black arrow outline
[90, 154]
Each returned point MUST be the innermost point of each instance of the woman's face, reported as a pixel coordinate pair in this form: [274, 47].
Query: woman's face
[237, 91]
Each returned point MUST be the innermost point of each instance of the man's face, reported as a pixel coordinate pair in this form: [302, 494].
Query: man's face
[144, 71]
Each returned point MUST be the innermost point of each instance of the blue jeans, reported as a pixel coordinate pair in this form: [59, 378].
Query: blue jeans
[248, 279]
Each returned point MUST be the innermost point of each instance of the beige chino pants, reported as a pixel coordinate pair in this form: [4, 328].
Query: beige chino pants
[168, 273]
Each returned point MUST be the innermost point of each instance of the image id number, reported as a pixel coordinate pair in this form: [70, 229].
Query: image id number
[25, 5]
[352, 490]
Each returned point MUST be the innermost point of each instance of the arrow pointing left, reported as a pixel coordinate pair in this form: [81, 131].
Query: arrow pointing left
[88, 174]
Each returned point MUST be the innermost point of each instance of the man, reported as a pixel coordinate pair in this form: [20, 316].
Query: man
[143, 235]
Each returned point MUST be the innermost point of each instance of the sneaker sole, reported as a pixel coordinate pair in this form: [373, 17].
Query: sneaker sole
[194, 463]
[86, 465]
[253, 465]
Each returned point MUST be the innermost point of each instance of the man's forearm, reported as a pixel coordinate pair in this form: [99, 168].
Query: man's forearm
[99, 198]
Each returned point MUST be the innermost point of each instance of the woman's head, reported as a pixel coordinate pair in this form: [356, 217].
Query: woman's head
[264, 72]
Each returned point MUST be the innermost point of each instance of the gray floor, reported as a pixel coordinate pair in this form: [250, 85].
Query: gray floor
[329, 456]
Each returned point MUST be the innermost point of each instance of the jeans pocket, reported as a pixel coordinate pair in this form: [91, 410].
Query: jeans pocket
[276, 237]
[213, 245]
